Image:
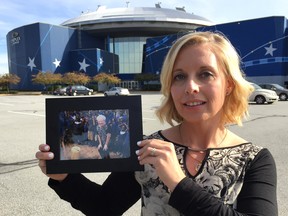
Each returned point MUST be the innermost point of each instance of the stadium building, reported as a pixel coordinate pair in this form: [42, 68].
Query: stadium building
[261, 43]
[105, 40]
[130, 41]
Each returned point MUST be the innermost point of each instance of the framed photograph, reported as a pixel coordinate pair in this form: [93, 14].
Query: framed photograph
[93, 134]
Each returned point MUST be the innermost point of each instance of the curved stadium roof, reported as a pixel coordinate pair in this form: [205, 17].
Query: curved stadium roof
[139, 20]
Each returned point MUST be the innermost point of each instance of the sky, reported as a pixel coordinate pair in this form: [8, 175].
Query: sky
[17, 13]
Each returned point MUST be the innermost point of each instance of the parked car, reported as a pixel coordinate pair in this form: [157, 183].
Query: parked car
[116, 91]
[280, 90]
[60, 91]
[78, 90]
[260, 95]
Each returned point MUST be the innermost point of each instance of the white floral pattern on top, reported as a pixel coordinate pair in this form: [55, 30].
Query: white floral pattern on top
[221, 174]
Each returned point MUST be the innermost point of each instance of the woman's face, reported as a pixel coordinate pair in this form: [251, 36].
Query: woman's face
[101, 122]
[198, 85]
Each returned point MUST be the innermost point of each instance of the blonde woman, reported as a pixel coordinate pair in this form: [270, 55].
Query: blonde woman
[197, 166]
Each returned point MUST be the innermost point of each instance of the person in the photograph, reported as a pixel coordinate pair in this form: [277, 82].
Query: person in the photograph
[114, 129]
[123, 141]
[103, 136]
[91, 130]
[197, 166]
[74, 143]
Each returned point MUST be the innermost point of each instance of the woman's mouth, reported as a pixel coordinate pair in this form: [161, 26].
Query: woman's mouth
[192, 104]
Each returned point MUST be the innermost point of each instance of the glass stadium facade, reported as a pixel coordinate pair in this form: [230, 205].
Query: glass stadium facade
[130, 53]
[132, 41]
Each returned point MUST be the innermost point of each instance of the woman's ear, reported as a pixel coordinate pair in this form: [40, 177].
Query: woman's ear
[230, 86]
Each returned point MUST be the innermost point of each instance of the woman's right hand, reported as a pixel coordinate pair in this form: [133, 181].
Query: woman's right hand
[44, 154]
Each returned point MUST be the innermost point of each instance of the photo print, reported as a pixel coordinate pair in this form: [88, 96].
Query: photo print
[93, 134]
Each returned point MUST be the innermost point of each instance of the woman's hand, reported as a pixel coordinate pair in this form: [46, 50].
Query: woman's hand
[163, 157]
[105, 148]
[44, 154]
[99, 146]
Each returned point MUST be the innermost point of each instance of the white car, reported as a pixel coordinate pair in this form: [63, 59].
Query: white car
[116, 91]
[260, 95]
[60, 91]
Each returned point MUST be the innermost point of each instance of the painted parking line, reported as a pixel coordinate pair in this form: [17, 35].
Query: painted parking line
[34, 114]
[25, 113]
[6, 104]
[151, 119]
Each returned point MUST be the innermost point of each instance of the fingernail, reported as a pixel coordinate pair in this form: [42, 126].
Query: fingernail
[137, 152]
[51, 155]
[139, 143]
[46, 148]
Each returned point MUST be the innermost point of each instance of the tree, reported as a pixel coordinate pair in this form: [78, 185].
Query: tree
[146, 77]
[106, 78]
[47, 78]
[7, 79]
[73, 78]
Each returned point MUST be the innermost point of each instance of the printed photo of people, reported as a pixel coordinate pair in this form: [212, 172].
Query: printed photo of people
[94, 134]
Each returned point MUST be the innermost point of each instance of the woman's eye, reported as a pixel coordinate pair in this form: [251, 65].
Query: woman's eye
[207, 75]
[178, 77]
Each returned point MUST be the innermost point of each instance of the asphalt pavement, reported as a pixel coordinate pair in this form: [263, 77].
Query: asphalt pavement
[24, 189]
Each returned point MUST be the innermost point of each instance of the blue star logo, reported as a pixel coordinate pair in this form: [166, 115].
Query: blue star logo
[83, 65]
[31, 63]
[56, 63]
[270, 50]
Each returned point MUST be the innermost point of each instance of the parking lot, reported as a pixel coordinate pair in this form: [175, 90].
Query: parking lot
[24, 189]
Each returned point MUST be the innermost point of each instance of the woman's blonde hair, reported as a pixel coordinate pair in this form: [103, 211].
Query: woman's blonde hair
[235, 107]
[101, 117]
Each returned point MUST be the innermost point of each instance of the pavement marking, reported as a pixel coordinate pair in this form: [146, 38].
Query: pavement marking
[153, 119]
[33, 114]
[148, 110]
[23, 113]
[6, 104]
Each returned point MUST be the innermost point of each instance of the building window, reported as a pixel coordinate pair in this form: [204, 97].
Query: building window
[130, 52]
[132, 85]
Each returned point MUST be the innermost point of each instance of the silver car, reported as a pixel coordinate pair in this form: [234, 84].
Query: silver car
[116, 91]
[60, 91]
[280, 90]
[261, 96]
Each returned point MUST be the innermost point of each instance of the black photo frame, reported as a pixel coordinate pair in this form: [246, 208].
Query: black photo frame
[75, 143]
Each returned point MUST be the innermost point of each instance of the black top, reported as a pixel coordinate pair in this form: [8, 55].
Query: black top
[238, 180]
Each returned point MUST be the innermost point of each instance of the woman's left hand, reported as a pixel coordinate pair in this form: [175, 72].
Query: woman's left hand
[105, 148]
[162, 156]
[99, 146]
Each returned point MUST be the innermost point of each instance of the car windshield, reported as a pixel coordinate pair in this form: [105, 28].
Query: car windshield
[256, 86]
[278, 86]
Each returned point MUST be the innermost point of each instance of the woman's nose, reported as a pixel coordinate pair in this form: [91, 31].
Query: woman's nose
[191, 87]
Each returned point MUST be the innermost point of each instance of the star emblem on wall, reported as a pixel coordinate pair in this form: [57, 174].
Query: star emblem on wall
[101, 61]
[31, 63]
[57, 63]
[270, 50]
[83, 65]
